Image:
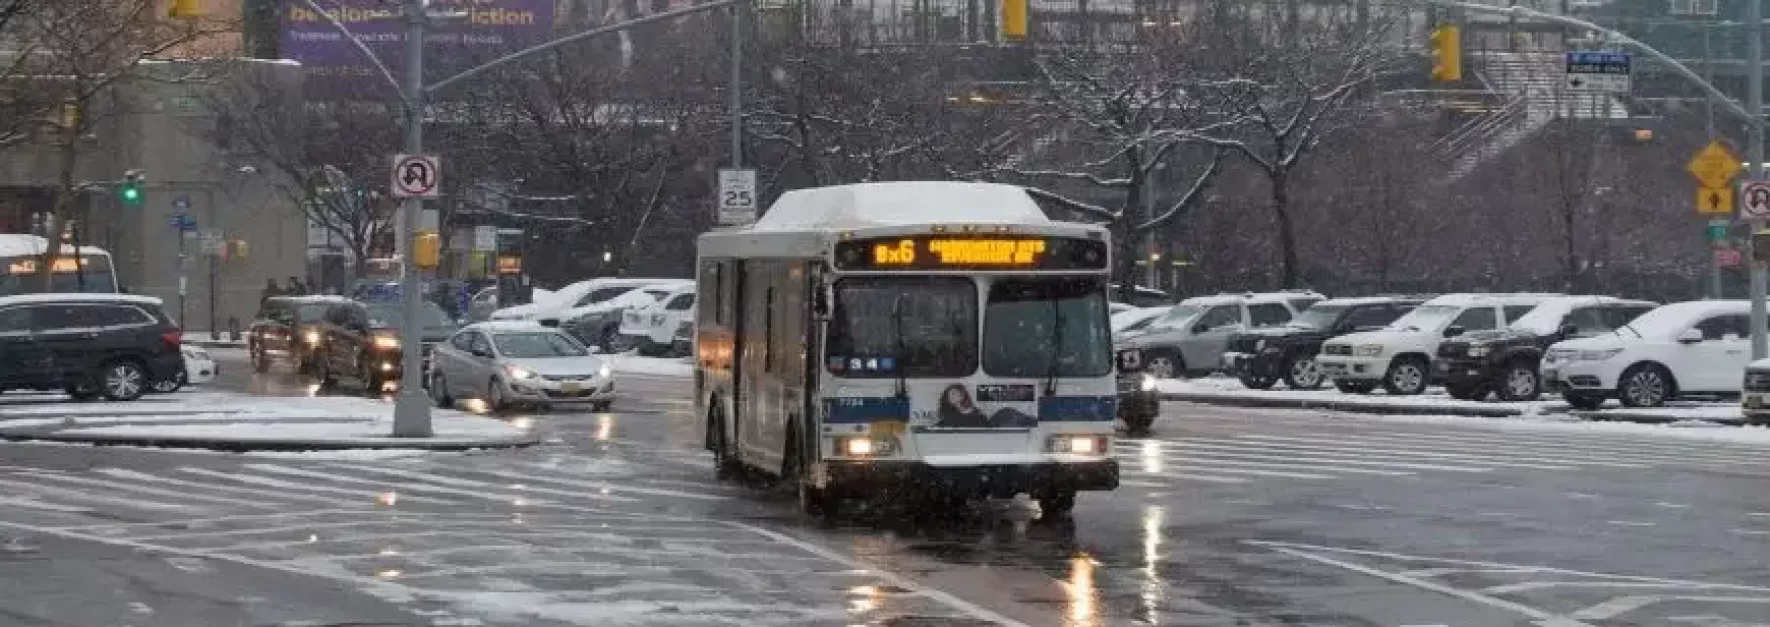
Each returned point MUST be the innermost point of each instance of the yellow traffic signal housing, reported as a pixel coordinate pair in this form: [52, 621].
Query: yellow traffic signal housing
[429, 250]
[1447, 53]
[185, 8]
[1014, 19]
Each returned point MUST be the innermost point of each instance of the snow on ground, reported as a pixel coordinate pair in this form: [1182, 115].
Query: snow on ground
[630, 363]
[217, 416]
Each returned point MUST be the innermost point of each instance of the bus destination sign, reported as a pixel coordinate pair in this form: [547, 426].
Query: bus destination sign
[960, 252]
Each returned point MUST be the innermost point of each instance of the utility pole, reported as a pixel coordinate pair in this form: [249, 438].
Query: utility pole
[1716, 291]
[737, 86]
[1754, 106]
[411, 410]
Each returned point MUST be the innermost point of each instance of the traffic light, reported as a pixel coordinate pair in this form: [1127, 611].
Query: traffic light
[429, 250]
[185, 8]
[1014, 19]
[129, 191]
[1447, 53]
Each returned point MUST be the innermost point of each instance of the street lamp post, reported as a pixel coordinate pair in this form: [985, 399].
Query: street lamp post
[411, 409]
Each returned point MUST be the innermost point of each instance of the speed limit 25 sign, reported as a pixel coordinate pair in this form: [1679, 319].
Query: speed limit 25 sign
[737, 196]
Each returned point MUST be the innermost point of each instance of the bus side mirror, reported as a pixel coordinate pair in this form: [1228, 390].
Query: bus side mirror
[1130, 360]
[820, 303]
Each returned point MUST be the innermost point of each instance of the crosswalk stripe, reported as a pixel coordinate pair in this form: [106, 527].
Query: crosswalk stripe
[1512, 455]
[35, 504]
[596, 485]
[1139, 460]
[1242, 471]
[389, 486]
[49, 493]
[122, 473]
[1257, 453]
[141, 489]
[365, 496]
[1695, 451]
[522, 493]
[1391, 453]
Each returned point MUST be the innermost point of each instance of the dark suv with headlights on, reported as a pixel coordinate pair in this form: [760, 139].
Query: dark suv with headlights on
[1260, 358]
[362, 341]
[287, 329]
[1507, 362]
[1139, 402]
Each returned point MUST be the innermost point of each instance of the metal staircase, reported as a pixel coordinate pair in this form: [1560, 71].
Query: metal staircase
[1534, 84]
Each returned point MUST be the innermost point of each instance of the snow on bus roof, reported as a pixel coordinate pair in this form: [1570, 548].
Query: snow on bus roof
[16, 244]
[905, 202]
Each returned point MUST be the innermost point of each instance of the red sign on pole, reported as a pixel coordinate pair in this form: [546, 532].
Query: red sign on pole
[1727, 257]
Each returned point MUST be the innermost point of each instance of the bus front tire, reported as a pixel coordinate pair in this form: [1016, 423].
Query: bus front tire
[1059, 503]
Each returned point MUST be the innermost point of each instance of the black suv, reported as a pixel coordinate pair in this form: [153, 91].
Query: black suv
[287, 328]
[1506, 362]
[1138, 401]
[362, 341]
[1263, 356]
[89, 345]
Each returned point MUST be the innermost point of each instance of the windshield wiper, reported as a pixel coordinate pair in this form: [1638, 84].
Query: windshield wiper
[1056, 348]
[903, 383]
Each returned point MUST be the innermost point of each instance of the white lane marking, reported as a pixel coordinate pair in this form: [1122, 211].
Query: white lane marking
[1623, 605]
[1750, 532]
[1480, 564]
[401, 488]
[1545, 585]
[1132, 459]
[172, 494]
[1672, 505]
[1652, 453]
[1393, 452]
[304, 528]
[365, 497]
[1220, 469]
[1631, 523]
[1148, 484]
[1251, 451]
[483, 485]
[1187, 476]
[1423, 584]
[142, 476]
[48, 507]
[45, 491]
[1436, 572]
[124, 527]
[1473, 452]
[1758, 514]
[595, 485]
[1583, 496]
[949, 600]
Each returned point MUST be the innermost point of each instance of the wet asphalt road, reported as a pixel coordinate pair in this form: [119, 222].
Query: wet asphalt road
[1227, 517]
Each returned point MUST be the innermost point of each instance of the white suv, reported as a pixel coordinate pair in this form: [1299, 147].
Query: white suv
[1189, 339]
[652, 329]
[1399, 357]
[1694, 347]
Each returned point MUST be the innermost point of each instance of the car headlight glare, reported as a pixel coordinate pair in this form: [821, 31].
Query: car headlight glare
[311, 337]
[1479, 351]
[387, 342]
[604, 372]
[518, 372]
[1147, 384]
[1370, 350]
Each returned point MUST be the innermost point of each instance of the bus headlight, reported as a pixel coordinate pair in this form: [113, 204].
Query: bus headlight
[858, 447]
[311, 336]
[386, 342]
[1147, 384]
[866, 447]
[1078, 444]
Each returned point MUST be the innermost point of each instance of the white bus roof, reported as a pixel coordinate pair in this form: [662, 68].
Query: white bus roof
[804, 223]
[17, 244]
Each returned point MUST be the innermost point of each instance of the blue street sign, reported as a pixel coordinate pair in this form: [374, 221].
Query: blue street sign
[182, 204]
[1598, 71]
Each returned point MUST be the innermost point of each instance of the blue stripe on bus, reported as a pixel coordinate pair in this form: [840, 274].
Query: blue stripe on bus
[865, 409]
[1078, 408]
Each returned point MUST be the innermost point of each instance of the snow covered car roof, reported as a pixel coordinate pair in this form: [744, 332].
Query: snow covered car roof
[75, 297]
[1471, 299]
[509, 326]
[1548, 314]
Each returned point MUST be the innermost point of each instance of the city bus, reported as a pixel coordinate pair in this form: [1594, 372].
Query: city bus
[90, 271]
[925, 342]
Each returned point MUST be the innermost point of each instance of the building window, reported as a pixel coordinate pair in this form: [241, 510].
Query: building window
[1695, 7]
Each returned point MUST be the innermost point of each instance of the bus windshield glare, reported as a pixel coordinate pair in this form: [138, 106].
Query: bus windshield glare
[1046, 327]
[911, 326]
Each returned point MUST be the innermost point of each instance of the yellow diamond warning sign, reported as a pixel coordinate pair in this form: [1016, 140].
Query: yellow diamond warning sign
[1715, 165]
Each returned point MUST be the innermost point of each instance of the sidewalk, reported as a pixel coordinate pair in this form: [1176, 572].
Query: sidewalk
[1228, 392]
[237, 423]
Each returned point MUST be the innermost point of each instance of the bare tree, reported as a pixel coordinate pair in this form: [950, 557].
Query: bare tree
[1300, 84]
[1105, 126]
[79, 51]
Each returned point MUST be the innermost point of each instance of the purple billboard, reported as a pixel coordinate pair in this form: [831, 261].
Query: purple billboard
[463, 33]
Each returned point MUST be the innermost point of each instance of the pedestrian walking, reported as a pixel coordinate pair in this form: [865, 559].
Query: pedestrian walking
[271, 290]
[296, 288]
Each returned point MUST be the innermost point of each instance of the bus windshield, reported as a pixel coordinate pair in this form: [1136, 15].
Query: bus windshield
[885, 327]
[92, 276]
[1045, 327]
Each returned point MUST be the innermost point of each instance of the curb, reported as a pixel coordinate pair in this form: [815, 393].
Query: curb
[243, 446]
[1648, 418]
[1355, 406]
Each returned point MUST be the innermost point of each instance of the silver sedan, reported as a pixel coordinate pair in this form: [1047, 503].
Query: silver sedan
[509, 363]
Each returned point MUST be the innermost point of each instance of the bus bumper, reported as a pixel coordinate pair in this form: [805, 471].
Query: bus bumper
[993, 480]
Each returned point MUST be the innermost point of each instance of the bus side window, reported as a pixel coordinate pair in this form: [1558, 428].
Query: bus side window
[768, 331]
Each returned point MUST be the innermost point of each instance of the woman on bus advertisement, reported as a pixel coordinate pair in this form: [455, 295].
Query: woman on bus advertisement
[958, 411]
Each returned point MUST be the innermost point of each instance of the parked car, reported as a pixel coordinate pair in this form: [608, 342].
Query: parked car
[287, 330]
[1399, 357]
[1189, 339]
[199, 368]
[599, 323]
[554, 305]
[1138, 400]
[506, 363]
[1697, 347]
[117, 346]
[1262, 357]
[1134, 320]
[361, 341]
[651, 329]
[1507, 362]
[483, 303]
[682, 343]
[1754, 398]
[1139, 296]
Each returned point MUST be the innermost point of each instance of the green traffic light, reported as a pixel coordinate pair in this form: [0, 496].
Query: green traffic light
[131, 195]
